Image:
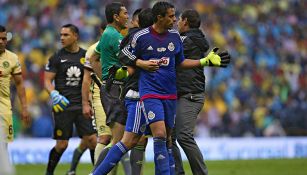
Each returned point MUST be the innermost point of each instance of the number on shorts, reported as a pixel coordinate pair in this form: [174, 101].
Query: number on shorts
[11, 129]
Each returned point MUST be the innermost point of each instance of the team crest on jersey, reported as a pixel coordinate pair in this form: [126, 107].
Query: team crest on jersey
[82, 60]
[59, 132]
[151, 115]
[73, 74]
[171, 46]
[5, 64]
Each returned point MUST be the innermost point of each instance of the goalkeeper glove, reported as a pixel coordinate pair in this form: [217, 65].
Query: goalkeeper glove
[59, 102]
[221, 59]
[121, 73]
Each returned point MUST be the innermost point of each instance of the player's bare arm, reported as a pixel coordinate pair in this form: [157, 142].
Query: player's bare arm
[86, 108]
[49, 77]
[96, 66]
[95, 63]
[22, 97]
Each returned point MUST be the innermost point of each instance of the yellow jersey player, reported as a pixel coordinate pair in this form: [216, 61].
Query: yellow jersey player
[10, 68]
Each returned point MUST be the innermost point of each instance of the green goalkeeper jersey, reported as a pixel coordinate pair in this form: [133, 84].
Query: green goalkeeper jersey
[108, 48]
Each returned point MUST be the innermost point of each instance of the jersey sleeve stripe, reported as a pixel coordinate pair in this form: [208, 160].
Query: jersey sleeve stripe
[128, 53]
[140, 33]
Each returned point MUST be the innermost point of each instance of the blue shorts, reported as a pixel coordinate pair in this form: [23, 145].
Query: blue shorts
[136, 121]
[160, 110]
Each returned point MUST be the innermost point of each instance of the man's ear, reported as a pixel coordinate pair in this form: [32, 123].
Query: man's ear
[116, 17]
[159, 17]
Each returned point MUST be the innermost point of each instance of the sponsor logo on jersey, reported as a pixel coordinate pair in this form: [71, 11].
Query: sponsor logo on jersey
[151, 115]
[73, 76]
[164, 61]
[161, 49]
[171, 46]
[62, 61]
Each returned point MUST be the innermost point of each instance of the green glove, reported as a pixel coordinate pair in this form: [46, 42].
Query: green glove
[121, 73]
[221, 59]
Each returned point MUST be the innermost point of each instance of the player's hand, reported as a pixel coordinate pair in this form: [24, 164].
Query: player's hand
[25, 116]
[121, 73]
[87, 111]
[59, 102]
[148, 65]
[221, 59]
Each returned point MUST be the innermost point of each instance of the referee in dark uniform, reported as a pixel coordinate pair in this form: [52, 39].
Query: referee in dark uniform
[65, 68]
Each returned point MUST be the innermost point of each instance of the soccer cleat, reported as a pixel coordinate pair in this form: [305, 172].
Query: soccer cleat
[71, 173]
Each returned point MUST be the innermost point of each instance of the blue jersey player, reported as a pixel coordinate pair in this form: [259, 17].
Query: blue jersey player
[162, 45]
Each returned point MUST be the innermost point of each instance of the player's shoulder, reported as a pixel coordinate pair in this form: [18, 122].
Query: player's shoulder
[138, 35]
[111, 32]
[174, 32]
[92, 48]
[82, 51]
[10, 55]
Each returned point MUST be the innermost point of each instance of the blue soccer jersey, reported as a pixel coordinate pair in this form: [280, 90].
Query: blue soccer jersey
[167, 50]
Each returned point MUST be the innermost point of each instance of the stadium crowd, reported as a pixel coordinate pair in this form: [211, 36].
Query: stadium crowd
[262, 93]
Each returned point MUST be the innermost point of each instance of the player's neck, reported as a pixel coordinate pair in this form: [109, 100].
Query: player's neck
[73, 48]
[159, 29]
[2, 52]
[118, 28]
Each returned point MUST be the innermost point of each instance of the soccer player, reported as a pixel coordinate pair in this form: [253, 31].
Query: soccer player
[91, 107]
[107, 51]
[190, 94]
[10, 68]
[65, 69]
[160, 44]
[136, 122]
[95, 107]
[6, 166]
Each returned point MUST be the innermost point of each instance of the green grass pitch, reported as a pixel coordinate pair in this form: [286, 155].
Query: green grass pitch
[229, 167]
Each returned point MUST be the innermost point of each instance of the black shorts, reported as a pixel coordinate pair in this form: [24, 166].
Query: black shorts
[113, 105]
[64, 121]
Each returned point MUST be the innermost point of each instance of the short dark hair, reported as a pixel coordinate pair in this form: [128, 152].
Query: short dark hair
[103, 25]
[145, 18]
[160, 8]
[2, 28]
[72, 27]
[112, 9]
[192, 17]
[136, 13]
